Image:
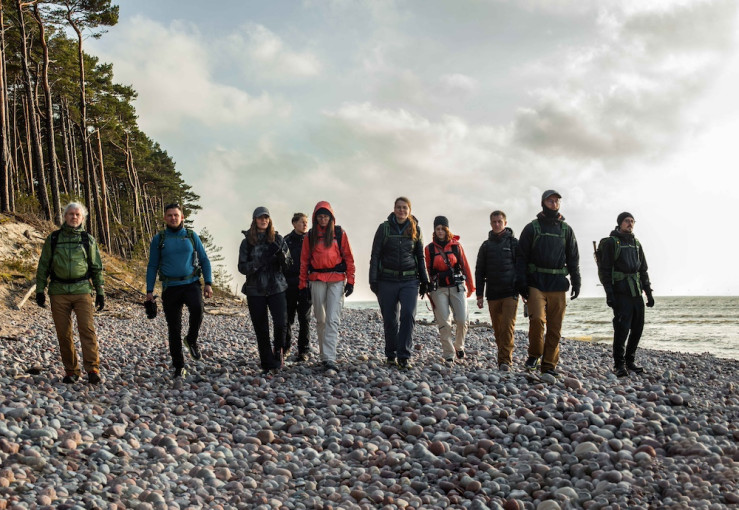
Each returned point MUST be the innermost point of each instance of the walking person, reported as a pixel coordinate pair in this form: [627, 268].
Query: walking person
[298, 303]
[263, 256]
[622, 270]
[495, 276]
[327, 272]
[70, 263]
[450, 286]
[398, 276]
[549, 254]
[178, 255]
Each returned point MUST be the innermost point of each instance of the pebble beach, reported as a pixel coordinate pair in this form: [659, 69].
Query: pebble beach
[365, 436]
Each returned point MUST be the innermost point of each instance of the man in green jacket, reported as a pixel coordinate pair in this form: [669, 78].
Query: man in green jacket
[70, 262]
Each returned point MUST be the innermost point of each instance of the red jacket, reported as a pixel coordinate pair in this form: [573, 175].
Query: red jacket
[439, 265]
[322, 257]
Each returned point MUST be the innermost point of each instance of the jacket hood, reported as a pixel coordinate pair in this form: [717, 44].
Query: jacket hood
[541, 216]
[623, 235]
[323, 205]
[507, 232]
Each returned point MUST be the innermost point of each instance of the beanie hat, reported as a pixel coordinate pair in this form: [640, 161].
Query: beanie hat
[623, 216]
[441, 220]
[260, 211]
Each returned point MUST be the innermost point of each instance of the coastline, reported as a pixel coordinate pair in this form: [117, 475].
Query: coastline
[367, 436]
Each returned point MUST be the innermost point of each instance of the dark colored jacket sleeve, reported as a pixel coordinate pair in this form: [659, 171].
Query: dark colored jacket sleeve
[573, 259]
[605, 270]
[376, 255]
[646, 284]
[524, 254]
[203, 259]
[245, 265]
[286, 260]
[423, 275]
[481, 270]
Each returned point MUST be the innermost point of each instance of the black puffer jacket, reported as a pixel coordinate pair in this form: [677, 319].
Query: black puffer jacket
[495, 270]
[549, 252]
[630, 260]
[394, 250]
[295, 245]
[263, 265]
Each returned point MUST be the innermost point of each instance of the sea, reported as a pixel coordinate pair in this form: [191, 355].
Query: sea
[683, 324]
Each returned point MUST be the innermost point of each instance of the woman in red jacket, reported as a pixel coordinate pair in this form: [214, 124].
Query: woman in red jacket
[326, 261]
[451, 284]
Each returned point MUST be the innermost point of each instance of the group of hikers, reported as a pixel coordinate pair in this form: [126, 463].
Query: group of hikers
[313, 268]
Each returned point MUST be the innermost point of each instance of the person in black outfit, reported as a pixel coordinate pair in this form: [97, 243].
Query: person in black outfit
[623, 273]
[263, 255]
[298, 303]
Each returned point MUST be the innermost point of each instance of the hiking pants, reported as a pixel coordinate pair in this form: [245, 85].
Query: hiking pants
[628, 322]
[546, 310]
[446, 300]
[328, 298]
[300, 308]
[173, 298]
[62, 306]
[398, 300]
[259, 306]
[503, 318]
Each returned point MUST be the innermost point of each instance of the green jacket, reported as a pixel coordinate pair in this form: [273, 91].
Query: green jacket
[70, 262]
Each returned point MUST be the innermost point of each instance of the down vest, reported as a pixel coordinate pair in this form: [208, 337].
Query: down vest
[395, 256]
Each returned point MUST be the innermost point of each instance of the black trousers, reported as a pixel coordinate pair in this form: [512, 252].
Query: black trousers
[259, 306]
[173, 298]
[628, 324]
[297, 306]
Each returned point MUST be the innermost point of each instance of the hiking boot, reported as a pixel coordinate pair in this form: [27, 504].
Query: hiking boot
[330, 365]
[551, 372]
[405, 364]
[193, 348]
[179, 372]
[621, 371]
[302, 357]
[279, 355]
[634, 367]
[70, 378]
[391, 362]
[532, 363]
[460, 354]
[93, 378]
[504, 367]
[449, 360]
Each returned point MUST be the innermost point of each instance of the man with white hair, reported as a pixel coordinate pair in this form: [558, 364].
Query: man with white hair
[70, 262]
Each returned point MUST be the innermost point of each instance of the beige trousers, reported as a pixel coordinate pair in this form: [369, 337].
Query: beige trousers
[503, 318]
[62, 306]
[448, 301]
[546, 310]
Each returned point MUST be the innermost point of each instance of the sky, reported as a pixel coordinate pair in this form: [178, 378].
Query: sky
[462, 106]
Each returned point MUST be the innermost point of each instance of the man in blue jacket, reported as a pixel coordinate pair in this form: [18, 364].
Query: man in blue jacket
[177, 254]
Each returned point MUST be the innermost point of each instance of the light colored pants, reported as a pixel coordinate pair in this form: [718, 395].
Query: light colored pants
[446, 300]
[546, 310]
[62, 306]
[503, 318]
[328, 298]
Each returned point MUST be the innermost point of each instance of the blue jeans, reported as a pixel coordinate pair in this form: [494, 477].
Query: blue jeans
[398, 300]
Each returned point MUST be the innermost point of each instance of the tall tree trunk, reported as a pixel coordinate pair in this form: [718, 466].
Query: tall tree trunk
[50, 145]
[87, 177]
[104, 221]
[64, 117]
[35, 148]
[5, 178]
[96, 202]
[27, 161]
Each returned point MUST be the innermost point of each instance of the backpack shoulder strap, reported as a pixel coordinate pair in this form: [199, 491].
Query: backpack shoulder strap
[54, 239]
[338, 235]
[616, 247]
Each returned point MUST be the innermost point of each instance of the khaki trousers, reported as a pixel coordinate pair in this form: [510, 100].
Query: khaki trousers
[448, 301]
[62, 307]
[546, 310]
[503, 318]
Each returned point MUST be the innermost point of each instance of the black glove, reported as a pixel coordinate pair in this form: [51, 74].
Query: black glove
[100, 302]
[423, 289]
[575, 292]
[609, 298]
[151, 309]
[373, 287]
[348, 289]
[41, 299]
[304, 294]
[523, 290]
[650, 299]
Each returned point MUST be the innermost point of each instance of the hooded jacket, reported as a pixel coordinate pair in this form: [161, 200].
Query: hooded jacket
[438, 265]
[70, 262]
[316, 262]
[630, 261]
[550, 252]
[395, 253]
[495, 269]
[263, 265]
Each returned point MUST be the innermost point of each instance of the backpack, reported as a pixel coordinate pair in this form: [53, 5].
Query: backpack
[341, 266]
[197, 268]
[532, 268]
[634, 280]
[54, 240]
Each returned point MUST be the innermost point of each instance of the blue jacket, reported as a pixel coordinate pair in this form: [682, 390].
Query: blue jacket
[176, 259]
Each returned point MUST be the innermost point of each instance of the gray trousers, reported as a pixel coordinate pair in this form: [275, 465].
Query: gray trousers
[328, 298]
[446, 300]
